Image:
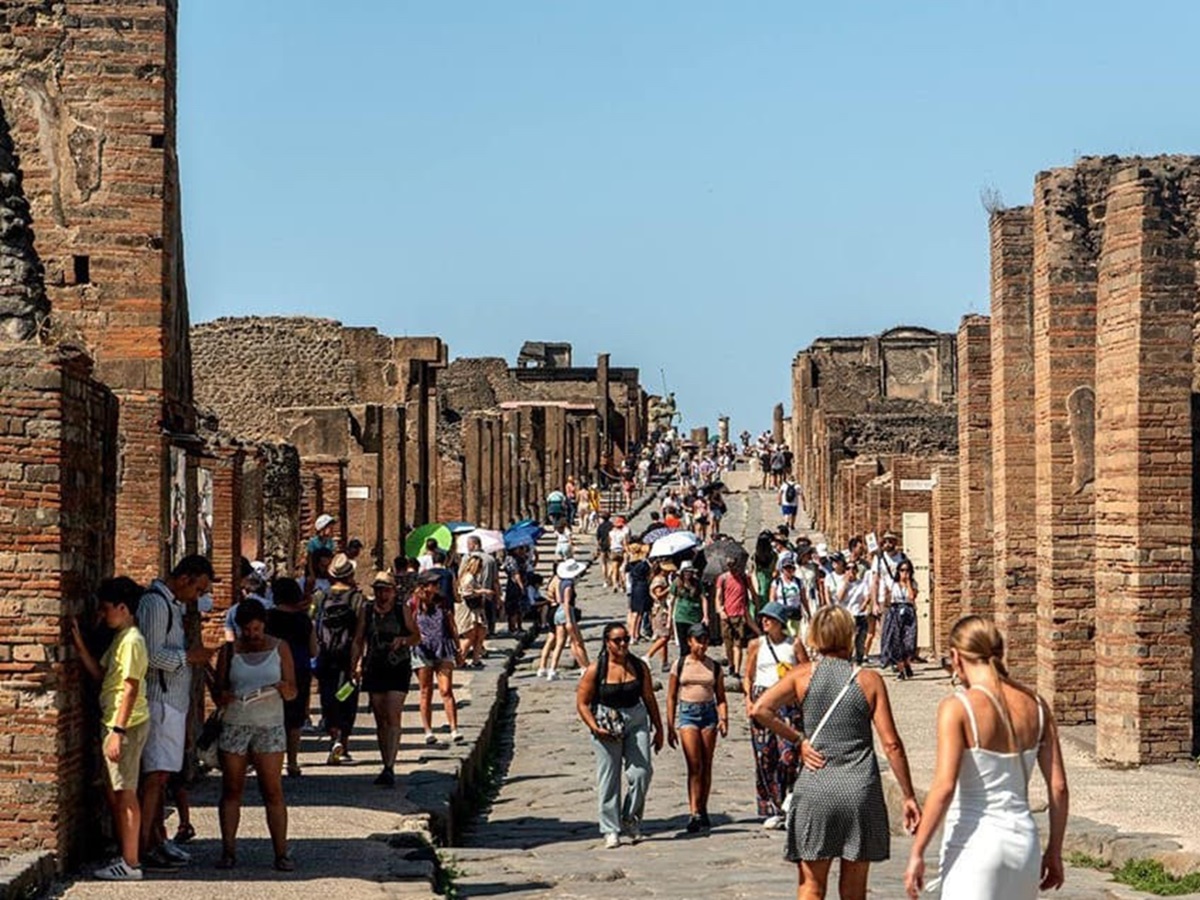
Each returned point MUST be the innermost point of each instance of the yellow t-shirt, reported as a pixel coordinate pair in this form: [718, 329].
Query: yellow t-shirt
[125, 659]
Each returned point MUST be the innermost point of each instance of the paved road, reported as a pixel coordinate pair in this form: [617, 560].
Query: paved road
[540, 839]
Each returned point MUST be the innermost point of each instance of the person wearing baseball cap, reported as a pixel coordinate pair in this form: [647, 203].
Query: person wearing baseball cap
[687, 603]
[323, 536]
[697, 712]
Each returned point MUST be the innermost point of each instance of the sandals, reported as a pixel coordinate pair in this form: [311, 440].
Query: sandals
[285, 864]
[184, 833]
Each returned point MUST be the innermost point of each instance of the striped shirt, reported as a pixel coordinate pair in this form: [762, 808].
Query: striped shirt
[160, 619]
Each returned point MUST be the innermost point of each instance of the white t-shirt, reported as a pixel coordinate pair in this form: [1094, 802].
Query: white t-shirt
[856, 598]
[616, 540]
[783, 500]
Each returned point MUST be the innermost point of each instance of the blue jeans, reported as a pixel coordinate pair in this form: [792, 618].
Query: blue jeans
[697, 715]
[627, 760]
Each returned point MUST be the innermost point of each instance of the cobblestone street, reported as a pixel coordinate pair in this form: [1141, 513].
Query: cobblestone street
[540, 837]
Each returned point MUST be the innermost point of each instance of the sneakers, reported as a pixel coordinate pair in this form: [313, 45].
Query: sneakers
[118, 870]
[612, 841]
[157, 861]
[541, 673]
[430, 738]
[386, 778]
[632, 829]
[551, 675]
[773, 823]
[175, 852]
[456, 737]
[705, 821]
[336, 754]
[694, 825]
[347, 759]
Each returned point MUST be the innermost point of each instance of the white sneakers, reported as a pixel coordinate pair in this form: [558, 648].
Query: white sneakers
[118, 870]
[430, 738]
[612, 841]
[551, 675]
[541, 673]
[774, 823]
[456, 737]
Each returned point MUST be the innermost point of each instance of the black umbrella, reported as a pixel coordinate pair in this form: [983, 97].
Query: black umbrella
[717, 556]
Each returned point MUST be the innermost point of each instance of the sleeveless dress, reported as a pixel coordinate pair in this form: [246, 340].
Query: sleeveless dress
[838, 812]
[990, 846]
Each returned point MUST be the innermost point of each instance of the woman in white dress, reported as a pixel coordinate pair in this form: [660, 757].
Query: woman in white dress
[989, 738]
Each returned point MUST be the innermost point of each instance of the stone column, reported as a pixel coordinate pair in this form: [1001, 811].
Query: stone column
[946, 565]
[975, 463]
[777, 434]
[226, 552]
[1013, 467]
[1144, 456]
[391, 483]
[58, 431]
[1064, 362]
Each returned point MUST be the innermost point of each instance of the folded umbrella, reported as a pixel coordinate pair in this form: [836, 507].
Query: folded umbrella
[492, 541]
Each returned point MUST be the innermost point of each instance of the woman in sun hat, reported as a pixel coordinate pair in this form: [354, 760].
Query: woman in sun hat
[566, 617]
[769, 658]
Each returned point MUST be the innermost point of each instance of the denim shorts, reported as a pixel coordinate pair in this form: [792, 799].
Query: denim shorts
[697, 715]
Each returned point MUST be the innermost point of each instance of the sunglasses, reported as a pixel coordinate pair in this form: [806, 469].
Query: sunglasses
[620, 640]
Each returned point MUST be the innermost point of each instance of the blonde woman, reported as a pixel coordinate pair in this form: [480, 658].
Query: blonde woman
[989, 738]
[838, 810]
[637, 572]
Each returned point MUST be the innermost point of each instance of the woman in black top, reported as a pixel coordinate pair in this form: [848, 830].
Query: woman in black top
[616, 702]
[382, 660]
[289, 621]
[638, 570]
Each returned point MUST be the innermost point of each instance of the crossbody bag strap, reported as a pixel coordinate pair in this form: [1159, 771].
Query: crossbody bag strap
[812, 738]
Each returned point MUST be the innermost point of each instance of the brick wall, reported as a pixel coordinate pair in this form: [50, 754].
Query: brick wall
[57, 514]
[975, 463]
[945, 574]
[1145, 310]
[1013, 467]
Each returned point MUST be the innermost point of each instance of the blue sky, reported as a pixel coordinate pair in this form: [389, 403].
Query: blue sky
[698, 187]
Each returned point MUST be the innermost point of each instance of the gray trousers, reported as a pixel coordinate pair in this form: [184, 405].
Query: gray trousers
[628, 760]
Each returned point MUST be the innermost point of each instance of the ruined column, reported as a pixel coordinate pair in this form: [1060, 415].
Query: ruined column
[777, 424]
[1014, 526]
[1145, 305]
[975, 463]
[946, 565]
[1066, 234]
[225, 467]
[391, 483]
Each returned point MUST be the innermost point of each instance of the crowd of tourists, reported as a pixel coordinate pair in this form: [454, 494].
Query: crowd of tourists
[798, 623]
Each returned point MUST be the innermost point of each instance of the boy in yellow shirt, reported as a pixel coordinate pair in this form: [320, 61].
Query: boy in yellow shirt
[124, 715]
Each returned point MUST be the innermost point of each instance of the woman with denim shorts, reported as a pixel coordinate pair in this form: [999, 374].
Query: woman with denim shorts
[254, 678]
[696, 712]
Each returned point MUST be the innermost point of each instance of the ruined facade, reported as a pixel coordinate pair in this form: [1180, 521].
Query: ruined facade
[361, 409]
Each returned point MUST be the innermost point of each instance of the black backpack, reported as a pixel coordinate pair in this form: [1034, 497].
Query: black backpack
[789, 494]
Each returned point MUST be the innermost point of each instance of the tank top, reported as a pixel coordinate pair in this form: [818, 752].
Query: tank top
[381, 631]
[251, 676]
[765, 672]
[621, 694]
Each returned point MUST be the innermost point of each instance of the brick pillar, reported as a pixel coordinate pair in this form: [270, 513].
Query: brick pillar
[1064, 354]
[310, 509]
[975, 463]
[226, 552]
[1014, 526]
[331, 474]
[945, 574]
[391, 482]
[58, 435]
[1144, 308]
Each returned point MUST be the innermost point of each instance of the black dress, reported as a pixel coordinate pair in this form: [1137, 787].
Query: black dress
[295, 628]
[639, 587]
[385, 669]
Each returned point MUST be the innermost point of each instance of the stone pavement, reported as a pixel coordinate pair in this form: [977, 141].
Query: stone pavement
[342, 828]
[539, 836]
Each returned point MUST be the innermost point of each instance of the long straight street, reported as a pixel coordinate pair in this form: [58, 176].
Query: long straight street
[539, 837]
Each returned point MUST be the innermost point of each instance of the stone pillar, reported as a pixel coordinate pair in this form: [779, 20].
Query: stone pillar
[723, 429]
[58, 431]
[472, 469]
[1015, 529]
[282, 505]
[975, 463]
[226, 554]
[602, 401]
[946, 565]
[1064, 363]
[777, 434]
[1145, 306]
[392, 484]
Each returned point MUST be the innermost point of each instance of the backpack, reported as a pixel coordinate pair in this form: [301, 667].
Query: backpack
[789, 494]
[712, 664]
[336, 623]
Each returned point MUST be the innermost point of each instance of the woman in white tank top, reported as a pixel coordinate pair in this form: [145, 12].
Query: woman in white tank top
[989, 739]
[768, 658]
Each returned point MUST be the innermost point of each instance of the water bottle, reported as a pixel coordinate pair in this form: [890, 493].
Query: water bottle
[344, 692]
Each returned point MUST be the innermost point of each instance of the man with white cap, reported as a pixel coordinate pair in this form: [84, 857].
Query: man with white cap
[324, 534]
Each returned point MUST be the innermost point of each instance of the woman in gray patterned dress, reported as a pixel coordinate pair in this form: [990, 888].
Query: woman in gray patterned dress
[838, 811]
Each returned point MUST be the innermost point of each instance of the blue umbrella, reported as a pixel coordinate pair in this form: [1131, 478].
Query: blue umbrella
[655, 533]
[460, 527]
[522, 535]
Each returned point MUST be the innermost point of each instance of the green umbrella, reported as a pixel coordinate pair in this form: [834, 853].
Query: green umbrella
[414, 544]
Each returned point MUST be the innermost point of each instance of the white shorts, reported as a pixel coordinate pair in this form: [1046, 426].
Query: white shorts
[168, 734]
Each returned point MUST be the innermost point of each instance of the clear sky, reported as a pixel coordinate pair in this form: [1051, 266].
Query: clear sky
[698, 187]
